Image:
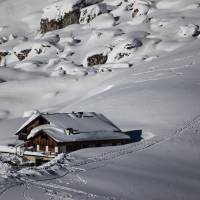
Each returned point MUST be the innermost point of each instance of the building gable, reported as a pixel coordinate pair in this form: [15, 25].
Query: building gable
[31, 123]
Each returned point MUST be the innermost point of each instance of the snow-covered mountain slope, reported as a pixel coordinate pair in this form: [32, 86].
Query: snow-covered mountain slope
[135, 61]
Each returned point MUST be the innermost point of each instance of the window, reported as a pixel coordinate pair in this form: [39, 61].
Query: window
[69, 131]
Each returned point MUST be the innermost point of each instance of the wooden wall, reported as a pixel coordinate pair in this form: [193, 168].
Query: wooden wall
[43, 140]
[26, 130]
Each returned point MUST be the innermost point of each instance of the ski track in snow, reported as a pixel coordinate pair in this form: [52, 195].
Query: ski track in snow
[142, 41]
[74, 167]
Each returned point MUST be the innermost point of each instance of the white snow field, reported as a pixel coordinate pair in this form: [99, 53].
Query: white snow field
[135, 61]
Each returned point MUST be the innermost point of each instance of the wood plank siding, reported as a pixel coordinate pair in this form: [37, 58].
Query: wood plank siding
[42, 142]
[27, 129]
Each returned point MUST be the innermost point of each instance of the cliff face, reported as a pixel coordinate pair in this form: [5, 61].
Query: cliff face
[97, 59]
[69, 18]
[67, 12]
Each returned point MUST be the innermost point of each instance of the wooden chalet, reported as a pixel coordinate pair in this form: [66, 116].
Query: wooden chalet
[66, 132]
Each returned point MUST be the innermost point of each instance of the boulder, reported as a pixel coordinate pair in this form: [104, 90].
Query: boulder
[140, 8]
[62, 14]
[123, 50]
[90, 12]
[3, 55]
[97, 59]
[34, 50]
[23, 54]
[69, 18]
[188, 31]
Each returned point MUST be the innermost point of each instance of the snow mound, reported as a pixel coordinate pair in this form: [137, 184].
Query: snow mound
[29, 50]
[123, 50]
[45, 127]
[68, 68]
[30, 113]
[103, 21]
[90, 12]
[188, 31]
[57, 11]
[141, 8]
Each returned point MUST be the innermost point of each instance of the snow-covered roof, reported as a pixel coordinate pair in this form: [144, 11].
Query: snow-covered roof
[59, 135]
[47, 128]
[82, 122]
[33, 117]
[89, 121]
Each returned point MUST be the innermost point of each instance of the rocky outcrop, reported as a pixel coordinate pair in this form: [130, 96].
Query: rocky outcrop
[135, 12]
[188, 31]
[72, 17]
[5, 53]
[97, 59]
[141, 8]
[90, 12]
[64, 13]
[2, 58]
[23, 54]
[123, 50]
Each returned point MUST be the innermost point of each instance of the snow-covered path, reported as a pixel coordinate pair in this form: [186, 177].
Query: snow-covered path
[149, 81]
[46, 189]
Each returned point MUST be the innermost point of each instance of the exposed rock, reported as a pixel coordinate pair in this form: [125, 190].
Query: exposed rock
[90, 12]
[123, 50]
[135, 12]
[23, 54]
[5, 53]
[140, 8]
[68, 19]
[97, 59]
[189, 30]
[71, 18]
[46, 25]
[2, 58]
[62, 14]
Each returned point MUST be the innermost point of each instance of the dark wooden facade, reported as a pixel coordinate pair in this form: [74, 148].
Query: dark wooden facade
[41, 141]
[22, 135]
[44, 143]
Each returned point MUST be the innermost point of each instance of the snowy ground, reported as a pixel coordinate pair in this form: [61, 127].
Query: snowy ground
[159, 94]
